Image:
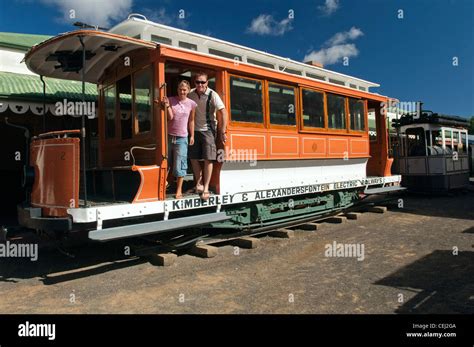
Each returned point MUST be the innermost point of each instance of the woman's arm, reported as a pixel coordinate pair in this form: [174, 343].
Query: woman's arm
[168, 109]
[191, 126]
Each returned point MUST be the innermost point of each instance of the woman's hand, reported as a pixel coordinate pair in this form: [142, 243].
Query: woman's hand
[191, 140]
[165, 102]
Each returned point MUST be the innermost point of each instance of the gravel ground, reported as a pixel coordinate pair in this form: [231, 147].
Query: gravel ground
[417, 259]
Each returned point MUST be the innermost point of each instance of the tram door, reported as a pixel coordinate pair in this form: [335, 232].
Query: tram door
[379, 163]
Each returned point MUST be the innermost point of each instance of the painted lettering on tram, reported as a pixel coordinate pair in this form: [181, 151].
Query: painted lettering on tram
[214, 200]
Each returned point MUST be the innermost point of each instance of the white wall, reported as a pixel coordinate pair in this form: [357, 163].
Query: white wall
[10, 61]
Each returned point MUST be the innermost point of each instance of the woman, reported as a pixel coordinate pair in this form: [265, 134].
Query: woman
[180, 111]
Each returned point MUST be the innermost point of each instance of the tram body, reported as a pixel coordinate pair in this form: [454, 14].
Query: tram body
[434, 152]
[296, 146]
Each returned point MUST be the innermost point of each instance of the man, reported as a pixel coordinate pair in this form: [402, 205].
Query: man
[210, 125]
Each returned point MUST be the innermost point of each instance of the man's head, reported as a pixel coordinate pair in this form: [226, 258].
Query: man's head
[200, 81]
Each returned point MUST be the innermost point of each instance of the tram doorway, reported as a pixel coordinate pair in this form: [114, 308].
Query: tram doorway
[379, 163]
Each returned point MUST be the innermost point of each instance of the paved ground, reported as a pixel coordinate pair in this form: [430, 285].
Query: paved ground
[408, 266]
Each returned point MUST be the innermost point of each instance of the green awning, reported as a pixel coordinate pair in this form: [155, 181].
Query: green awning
[23, 87]
[21, 41]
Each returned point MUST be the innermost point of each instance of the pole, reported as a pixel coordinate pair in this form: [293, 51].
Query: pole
[83, 123]
[44, 103]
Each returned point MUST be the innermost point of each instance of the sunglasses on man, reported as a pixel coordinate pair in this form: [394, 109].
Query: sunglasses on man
[200, 82]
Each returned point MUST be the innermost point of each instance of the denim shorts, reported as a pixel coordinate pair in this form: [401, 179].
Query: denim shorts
[178, 155]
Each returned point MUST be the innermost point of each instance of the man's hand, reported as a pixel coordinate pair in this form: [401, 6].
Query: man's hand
[222, 137]
[191, 140]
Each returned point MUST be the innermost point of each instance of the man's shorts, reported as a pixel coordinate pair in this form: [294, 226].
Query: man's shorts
[178, 155]
[204, 147]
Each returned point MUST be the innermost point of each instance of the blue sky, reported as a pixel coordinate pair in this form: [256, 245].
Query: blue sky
[411, 58]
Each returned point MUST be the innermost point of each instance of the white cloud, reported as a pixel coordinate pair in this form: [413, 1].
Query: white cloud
[345, 36]
[329, 7]
[336, 48]
[266, 25]
[93, 12]
[332, 55]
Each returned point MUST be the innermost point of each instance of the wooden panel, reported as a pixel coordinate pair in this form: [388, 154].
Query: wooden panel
[284, 145]
[359, 147]
[314, 146]
[338, 147]
[248, 142]
[149, 179]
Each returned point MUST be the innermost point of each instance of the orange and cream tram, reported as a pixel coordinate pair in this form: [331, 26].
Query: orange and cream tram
[297, 137]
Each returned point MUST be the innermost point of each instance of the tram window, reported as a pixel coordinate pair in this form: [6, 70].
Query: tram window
[124, 87]
[416, 142]
[372, 125]
[313, 109]
[246, 100]
[161, 39]
[436, 144]
[336, 111]
[109, 95]
[357, 114]
[463, 144]
[447, 138]
[455, 140]
[143, 101]
[187, 45]
[211, 83]
[282, 104]
[436, 138]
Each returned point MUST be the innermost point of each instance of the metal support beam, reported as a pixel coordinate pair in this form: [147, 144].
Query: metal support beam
[142, 229]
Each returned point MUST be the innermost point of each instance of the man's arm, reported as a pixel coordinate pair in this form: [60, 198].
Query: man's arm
[222, 124]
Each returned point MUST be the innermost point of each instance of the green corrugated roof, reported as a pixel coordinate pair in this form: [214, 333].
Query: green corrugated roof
[16, 86]
[21, 41]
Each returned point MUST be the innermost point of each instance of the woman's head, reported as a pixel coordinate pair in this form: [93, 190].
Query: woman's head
[183, 88]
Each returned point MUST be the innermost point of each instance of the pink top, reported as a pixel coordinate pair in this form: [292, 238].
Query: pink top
[178, 126]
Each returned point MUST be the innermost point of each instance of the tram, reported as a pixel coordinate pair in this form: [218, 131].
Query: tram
[306, 126]
[434, 152]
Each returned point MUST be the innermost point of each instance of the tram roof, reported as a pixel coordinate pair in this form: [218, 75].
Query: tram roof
[61, 56]
[138, 26]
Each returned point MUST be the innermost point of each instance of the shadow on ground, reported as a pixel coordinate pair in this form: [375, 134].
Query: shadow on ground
[53, 266]
[445, 283]
[456, 205]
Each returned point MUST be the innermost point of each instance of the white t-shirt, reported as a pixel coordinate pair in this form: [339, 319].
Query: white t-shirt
[200, 123]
